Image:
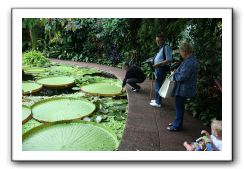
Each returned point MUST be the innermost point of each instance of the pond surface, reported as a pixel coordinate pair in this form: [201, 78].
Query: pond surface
[110, 111]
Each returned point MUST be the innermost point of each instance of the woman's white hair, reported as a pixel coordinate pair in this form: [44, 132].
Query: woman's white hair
[186, 47]
[217, 126]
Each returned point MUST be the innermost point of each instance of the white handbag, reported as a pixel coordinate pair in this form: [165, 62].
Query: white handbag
[167, 88]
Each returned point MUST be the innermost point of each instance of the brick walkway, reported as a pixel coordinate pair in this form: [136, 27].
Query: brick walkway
[145, 125]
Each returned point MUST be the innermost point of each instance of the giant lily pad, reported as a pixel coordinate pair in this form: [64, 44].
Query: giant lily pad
[30, 87]
[26, 114]
[102, 89]
[34, 70]
[61, 109]
[68, 70]
[56, 82]
[74, 136]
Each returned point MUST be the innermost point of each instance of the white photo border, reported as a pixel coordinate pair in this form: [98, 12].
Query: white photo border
[225, 155]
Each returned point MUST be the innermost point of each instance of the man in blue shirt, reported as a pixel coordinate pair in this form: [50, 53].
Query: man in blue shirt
[160, 67]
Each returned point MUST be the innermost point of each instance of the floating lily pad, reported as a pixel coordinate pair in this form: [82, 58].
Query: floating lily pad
[74, 136]
[24, 67]
[34, 70]
[26, 114]
[61, 109]
[102, 89]
[30, 87]
[67, 70]
[56, 82]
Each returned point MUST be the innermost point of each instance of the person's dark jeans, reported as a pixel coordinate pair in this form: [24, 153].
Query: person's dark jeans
[159, 79]
[133, 82]
[179, 115]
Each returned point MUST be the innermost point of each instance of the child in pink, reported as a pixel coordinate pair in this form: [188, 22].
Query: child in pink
[208, 142]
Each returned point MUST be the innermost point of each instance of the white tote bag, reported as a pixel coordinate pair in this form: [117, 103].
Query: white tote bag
[167, 88]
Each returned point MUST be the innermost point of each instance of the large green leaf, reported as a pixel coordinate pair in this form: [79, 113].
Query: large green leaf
[68, 70]
[102, 89]
[30, 87]
[34, 70]
[26, 113]
[56, 82]
[74, 136]
[61, 109]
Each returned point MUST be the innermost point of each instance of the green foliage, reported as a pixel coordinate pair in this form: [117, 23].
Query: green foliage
[30, 87]
[146, 69]
[113, 113]
[102, 89]
[30, 125]
[110, 111]
[34, 58]
[61, 109]
[207, 38]
[26, 113]
[72, 136]
[56, 82]
[31, 32]
[112, 41]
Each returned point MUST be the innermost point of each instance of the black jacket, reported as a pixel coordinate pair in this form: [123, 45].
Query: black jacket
[134, 72]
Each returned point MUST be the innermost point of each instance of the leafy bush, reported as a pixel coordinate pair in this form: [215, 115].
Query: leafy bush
[207, 37]
[34, 58]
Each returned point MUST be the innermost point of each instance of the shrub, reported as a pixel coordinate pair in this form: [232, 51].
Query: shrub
[34, 58]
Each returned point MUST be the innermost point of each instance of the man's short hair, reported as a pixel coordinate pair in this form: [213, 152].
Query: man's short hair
[126, 64]
[161, 35]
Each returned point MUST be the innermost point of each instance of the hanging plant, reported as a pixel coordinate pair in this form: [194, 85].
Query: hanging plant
[56, 82]
[62, 109]
[102, 89]
[73, 136]
[30, 88]
[26, 114]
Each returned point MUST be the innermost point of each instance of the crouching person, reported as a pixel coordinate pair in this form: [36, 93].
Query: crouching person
[133, 76]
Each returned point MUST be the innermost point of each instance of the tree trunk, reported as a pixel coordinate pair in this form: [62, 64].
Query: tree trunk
[33, 36]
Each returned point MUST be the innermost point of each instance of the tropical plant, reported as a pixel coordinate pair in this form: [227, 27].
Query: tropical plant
[113, 41]
[33, 27]
[207, 38]
[34, 58]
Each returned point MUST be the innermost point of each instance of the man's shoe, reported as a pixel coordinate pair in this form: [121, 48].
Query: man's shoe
[136, 90]
[155, 104]
[153, 101]
[171, 128]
